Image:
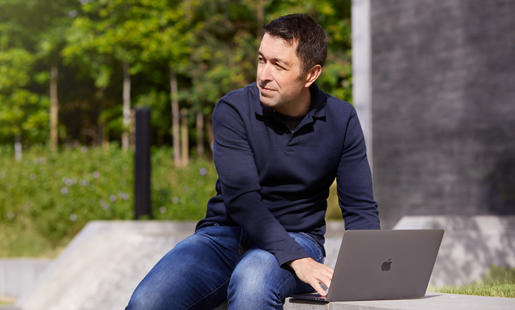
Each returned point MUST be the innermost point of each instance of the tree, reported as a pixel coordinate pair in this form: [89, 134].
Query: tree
[23, 110]
[22, 113]
[82, 50]
[222, 57]
[118, 53]
[110, 32]
[169, 41]
[38, 27]
[55, 17]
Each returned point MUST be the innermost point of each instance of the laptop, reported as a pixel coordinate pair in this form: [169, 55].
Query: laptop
[382, 265]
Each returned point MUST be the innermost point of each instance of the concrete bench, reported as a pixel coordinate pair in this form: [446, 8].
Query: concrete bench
[431, 301]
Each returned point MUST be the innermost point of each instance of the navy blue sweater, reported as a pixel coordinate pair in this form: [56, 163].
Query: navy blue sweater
[272, 181]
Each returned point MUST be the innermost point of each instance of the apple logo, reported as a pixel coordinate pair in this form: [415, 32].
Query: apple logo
[386, 265]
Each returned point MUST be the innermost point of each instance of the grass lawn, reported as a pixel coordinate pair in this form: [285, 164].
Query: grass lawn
[497, 282]
[497, 289]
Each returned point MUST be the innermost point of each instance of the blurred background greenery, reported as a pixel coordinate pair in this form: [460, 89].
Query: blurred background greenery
[71, 74]
[47, 198]
[70, 71]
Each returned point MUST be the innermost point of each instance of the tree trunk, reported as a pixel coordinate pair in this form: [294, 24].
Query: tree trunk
[103, 134]
[126, 105]
[175, 119]
[17, 147]
[260, 20]
[184, 138]
[132, 139]
[54, 109]
[200, 134]
[210, 134]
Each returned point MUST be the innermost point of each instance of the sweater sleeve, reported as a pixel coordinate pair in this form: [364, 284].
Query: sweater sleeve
[240, 187]
[354, 180]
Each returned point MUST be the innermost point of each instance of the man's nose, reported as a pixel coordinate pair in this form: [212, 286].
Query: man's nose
[265, 73]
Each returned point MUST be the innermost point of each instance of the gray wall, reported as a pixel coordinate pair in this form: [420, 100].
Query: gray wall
[443, 107]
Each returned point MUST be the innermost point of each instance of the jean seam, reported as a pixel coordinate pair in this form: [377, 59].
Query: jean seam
[283, 283]
[204, 297]
[318, 245]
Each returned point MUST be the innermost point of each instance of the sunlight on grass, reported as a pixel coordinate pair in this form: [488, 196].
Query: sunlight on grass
[498, 289]
[497, 282]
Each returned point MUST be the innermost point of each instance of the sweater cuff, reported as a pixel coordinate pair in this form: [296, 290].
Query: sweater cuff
[284, 257]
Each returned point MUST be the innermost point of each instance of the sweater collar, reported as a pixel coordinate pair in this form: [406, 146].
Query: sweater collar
[316, 108]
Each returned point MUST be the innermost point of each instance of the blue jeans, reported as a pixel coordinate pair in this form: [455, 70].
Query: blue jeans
[220, 263]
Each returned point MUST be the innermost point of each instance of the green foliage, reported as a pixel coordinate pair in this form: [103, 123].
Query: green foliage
[21, 110]
[31, 34]
[158, 102]
[15, 67]
[224, 57]
[47, 198]
[87, 50]
[181, 193]
[210, 45]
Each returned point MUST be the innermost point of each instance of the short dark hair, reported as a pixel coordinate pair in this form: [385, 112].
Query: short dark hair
[311, 38]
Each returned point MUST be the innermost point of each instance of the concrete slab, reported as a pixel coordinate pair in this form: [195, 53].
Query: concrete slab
[471, 244]
[20, 275]
[431, 301]
[103, 265]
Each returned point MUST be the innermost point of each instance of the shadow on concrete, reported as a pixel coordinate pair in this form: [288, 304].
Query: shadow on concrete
[470, 246]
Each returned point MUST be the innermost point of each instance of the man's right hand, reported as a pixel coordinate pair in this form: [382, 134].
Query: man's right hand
[313, 273]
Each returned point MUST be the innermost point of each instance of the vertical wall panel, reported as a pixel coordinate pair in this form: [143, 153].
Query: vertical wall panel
[443, 107]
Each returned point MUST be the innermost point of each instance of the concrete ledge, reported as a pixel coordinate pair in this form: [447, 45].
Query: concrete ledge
[102, 266]
[20, 275]
[431, 301]
[471, 245]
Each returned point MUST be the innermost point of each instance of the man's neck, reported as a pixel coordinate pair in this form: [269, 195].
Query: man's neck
[298, 108]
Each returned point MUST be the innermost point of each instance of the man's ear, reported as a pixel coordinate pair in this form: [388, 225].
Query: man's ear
[313, 75]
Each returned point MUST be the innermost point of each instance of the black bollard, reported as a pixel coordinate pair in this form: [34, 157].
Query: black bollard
[142, 164]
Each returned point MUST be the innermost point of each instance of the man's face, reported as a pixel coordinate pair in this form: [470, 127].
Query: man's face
[279, 76]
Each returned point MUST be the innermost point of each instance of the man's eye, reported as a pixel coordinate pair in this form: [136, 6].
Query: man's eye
[261, 60]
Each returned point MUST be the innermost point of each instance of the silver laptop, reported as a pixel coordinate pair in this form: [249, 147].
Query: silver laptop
[382, 264]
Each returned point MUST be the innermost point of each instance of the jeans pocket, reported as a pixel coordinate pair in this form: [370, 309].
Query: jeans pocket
[314, 246]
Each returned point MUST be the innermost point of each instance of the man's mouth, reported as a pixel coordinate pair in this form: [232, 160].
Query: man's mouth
[263, 88]
[266, 92]
[266, 89]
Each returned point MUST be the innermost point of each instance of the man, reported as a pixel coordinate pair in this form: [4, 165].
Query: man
[279, 144]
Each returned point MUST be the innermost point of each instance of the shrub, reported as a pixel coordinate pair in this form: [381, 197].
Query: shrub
[49, 197]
